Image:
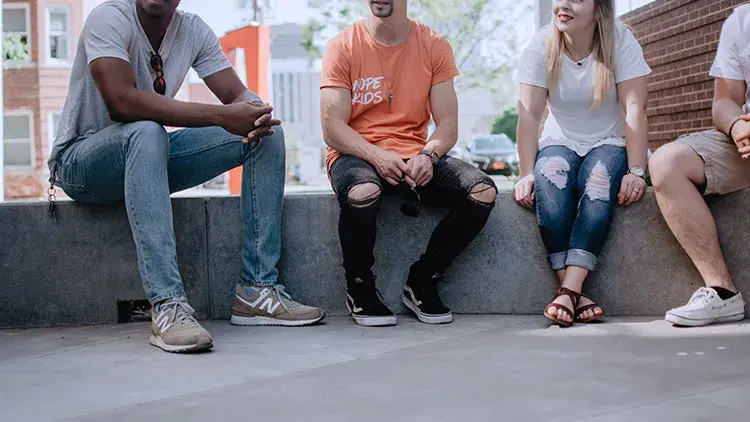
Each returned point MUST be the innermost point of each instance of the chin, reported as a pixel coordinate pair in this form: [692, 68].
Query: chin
[382, 13]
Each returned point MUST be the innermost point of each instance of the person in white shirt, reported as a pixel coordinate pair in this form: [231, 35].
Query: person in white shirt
[713, 162]
[588, 71]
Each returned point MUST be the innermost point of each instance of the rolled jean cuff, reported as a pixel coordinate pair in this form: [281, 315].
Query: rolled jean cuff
[581, 258]
[557, 260]
[162, 297]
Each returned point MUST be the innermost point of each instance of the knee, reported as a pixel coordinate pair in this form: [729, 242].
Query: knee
[484, 192]
[663, 165]
[149, 137]
[599, 184]
[365, 195]
[554, 170]
[270, 147]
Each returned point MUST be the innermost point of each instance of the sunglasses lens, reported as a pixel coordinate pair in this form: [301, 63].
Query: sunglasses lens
[160, 85]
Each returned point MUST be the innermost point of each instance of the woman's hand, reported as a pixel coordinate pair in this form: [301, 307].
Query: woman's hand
[524, 191]
[631, 189]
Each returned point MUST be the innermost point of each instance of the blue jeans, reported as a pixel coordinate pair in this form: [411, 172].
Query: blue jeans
[575, 200]
[142, 164]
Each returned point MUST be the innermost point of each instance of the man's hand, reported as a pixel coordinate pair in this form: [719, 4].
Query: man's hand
[391, 167]
[252, 121]
[741, 136]
[420, 169]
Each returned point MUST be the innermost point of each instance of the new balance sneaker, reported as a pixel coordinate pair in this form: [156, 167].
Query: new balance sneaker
[420, 295]
[706, 307]
[175, 329]
[366, 304]
[271, 305]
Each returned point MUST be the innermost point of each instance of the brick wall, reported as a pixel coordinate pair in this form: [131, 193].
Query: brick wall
[679, 40]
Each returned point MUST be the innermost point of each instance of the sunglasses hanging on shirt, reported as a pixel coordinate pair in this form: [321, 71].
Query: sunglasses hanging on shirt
[160, 84]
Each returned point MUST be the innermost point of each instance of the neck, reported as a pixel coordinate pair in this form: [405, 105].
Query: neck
[579, 44]
[390, 31]
[154, 27]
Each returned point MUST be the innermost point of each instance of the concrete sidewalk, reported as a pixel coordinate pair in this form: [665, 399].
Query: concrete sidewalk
[481, 368]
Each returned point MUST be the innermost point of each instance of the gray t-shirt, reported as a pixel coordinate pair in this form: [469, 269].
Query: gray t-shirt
[113, 30]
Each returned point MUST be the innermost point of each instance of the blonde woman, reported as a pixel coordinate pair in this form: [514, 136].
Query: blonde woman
[588, 71]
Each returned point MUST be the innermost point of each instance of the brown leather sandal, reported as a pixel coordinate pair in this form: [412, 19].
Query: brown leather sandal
[591, 306]
[563, 291]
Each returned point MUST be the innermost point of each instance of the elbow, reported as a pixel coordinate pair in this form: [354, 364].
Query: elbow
[328, 132]
[120, 109]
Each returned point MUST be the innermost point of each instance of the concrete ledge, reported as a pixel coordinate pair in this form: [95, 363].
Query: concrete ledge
[75, 271]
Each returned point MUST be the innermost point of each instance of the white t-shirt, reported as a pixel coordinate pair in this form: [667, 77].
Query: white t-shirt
[112, 29]
[733, 56]
[572, 122]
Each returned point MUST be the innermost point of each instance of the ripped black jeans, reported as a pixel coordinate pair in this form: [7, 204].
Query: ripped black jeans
[451, 186]
[575, 201]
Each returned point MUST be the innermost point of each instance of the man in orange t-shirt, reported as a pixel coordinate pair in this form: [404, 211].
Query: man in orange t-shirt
[383, 78]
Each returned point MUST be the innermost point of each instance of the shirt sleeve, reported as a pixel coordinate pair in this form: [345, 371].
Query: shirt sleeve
[629, 60]
[209, 57]
[443, 63]
[532, 68]
[336, 66]
[727, 64]
[107, 33]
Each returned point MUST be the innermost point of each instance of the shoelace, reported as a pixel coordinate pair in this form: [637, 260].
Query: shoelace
[183, 313]
[282, 293]
[703, 294]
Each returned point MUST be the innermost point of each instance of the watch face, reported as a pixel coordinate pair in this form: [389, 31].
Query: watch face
[638, 171]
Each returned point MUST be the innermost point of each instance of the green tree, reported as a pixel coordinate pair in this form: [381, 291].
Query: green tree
[506, 123]
[14, 48]
[483, 33]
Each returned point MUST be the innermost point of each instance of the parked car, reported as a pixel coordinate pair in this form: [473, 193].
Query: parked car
[494, 154]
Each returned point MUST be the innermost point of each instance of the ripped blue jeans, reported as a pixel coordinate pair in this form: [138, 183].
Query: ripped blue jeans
[575, 200]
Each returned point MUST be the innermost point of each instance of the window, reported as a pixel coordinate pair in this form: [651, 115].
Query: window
[19, 139]
[626, 6]
[58, 30]
[16, 32]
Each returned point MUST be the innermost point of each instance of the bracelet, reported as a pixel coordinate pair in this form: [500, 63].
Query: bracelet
[729, 132]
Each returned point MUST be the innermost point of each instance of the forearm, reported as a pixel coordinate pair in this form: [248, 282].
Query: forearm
[247, 96]
[528, 142]
[140, 105]
[346, 141]
[443, 139]
[636, 136]
[725, 111]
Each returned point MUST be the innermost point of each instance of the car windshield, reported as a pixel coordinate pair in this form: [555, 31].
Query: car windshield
[494, 142]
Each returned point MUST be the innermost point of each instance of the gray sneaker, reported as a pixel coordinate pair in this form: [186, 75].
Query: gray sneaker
[271, 305]
[175, 329]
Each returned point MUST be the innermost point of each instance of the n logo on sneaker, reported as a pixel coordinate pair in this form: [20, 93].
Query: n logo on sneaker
[162, 321]
[267, 302]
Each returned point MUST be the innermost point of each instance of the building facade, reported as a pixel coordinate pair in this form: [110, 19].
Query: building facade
[42, 35]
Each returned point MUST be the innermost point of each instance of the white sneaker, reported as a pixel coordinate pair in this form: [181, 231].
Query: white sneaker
[706, 307]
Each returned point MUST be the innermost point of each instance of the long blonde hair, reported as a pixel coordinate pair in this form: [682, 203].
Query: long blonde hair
[603, 49]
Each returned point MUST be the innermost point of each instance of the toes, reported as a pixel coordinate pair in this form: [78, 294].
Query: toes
[598, 311]
[552, 311]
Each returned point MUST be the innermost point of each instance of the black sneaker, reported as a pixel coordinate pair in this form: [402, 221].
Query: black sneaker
[366, 304]
[421, 296]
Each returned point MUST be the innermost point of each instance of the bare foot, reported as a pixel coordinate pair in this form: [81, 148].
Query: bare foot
[559, 312]
[588, 313]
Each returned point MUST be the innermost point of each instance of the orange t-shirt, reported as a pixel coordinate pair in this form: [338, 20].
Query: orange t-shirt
[354, 60]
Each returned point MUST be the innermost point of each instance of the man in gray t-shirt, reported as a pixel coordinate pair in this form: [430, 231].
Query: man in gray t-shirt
[132, 57]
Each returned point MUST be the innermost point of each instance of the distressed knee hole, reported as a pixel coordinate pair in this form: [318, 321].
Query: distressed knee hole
[555, 170]
[484, 193]
[364, 195]
[599, 183]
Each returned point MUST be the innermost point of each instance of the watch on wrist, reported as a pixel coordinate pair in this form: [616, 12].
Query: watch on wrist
[434, 157]
[637, 171]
